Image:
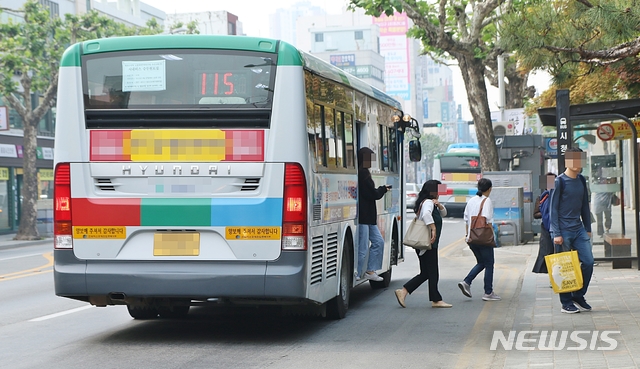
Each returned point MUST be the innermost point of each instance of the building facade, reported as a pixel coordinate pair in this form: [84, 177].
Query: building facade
[209, 23]
[354, 49]
[130, 12]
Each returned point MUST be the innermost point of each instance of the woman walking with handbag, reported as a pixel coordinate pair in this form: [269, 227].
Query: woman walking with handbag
[429, 210]
[480, 207]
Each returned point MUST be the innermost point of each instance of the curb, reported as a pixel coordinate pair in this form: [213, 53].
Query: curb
[11, 244]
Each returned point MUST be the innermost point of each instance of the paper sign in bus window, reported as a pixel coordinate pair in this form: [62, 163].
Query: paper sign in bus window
[144, 75]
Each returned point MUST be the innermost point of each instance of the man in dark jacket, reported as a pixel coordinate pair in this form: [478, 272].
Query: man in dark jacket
[367, 216]
[571, 225]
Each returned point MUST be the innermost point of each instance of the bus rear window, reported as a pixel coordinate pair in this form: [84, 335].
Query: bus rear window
[161, 79]
[460, 164]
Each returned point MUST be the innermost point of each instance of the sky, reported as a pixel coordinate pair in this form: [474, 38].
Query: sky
[254, 16]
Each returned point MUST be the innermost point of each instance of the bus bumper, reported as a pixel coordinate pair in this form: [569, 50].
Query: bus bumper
[87, 280]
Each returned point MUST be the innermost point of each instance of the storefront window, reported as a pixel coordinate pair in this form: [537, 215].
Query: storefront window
[45, 183]
[4, 198]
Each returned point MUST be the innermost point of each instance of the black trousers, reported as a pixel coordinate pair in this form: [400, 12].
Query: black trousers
[546, 248]
[428, 271]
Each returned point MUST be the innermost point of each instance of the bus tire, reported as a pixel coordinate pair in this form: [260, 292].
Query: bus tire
[174, 312]
[142, 312]
[384, 283]
[337, 307]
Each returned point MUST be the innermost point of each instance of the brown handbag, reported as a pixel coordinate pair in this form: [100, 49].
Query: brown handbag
[480, 232]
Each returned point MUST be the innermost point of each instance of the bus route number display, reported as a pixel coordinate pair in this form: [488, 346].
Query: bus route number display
[221, 83]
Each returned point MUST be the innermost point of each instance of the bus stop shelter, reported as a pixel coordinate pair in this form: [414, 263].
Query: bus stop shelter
[612, 148]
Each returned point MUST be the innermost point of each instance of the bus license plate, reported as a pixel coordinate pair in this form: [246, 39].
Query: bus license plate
[99, 232]
[176, 244]
[460, 199]
[252, 233]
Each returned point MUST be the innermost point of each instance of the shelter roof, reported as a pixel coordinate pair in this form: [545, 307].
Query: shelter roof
[629, 108]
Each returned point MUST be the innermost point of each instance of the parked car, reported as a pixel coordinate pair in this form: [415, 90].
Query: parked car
[411, 192]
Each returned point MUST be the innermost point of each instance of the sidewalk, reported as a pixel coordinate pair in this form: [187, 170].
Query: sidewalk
[7, 241]
[614, 295]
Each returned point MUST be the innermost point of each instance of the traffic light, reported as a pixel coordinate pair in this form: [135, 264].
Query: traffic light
[426, 125]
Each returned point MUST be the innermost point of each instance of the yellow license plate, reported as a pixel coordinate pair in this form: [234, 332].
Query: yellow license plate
[176, 244]
[252, 233]
[460, 199]
[100, 232]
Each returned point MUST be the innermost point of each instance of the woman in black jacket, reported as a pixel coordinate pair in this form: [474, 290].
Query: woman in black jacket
[367, 217]
[430, 211]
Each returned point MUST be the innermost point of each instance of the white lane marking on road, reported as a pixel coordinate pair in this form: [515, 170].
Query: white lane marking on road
[22, 256]
[51, 316]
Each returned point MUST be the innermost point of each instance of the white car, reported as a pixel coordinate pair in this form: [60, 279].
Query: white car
[411, 192]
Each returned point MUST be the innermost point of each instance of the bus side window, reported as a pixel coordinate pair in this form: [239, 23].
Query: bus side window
[340, 139]
[384, 148]
[311, 132]
[348, 139]
[321, 159]
[392, 147]
[330, 137]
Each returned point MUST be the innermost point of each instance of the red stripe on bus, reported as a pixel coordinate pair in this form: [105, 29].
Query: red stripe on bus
[105, 212]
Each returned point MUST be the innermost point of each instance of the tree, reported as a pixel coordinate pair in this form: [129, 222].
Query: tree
[564, 36]
[465, 31]
[431, 146]
[190, 28]
[30, 53]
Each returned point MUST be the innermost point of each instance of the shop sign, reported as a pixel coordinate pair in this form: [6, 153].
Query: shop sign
[8, 151]
[47, 152]
[45, 174]
[4, 174]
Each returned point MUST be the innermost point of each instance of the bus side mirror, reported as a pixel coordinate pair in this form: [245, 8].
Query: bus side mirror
[415, 150]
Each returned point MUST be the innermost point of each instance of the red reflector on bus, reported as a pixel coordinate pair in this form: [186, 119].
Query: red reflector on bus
[62, 228]
[294, 217]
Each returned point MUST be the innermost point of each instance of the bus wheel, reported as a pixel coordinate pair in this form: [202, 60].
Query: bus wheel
[384, 283]
[142, 312]
[174, 312]
[337, 307]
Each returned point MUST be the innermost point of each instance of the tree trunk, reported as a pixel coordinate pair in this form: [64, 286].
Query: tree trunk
[516, 90]
[473, 75]
[28, 229]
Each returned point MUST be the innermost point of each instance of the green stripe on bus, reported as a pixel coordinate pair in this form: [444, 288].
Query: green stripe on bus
[288, 55]
[73, 53]
[175, 212]
[71, 56]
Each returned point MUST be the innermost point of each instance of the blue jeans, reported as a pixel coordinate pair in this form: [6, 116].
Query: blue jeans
[581, 242]
[485, 261]
[366, 233]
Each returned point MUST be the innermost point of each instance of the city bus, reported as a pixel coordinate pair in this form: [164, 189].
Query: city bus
[201, 169]
[459, 170]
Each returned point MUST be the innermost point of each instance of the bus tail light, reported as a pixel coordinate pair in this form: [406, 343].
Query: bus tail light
[63, 235]
[294, 217]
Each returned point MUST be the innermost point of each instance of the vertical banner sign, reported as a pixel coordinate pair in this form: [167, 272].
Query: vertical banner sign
[394, 46]
[563, 124]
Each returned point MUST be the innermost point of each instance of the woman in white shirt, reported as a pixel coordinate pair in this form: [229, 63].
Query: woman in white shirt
[484, 254]
[431, 211]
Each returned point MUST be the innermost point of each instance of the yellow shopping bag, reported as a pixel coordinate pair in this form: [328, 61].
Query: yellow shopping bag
[564, 271]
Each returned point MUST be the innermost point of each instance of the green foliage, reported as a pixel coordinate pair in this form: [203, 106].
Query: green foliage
[31, 45]
[556, 35]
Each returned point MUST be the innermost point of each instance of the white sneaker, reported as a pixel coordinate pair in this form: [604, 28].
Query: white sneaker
[373, 277]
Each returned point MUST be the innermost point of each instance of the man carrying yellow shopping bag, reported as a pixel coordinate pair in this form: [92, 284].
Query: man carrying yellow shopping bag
[571, 225]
